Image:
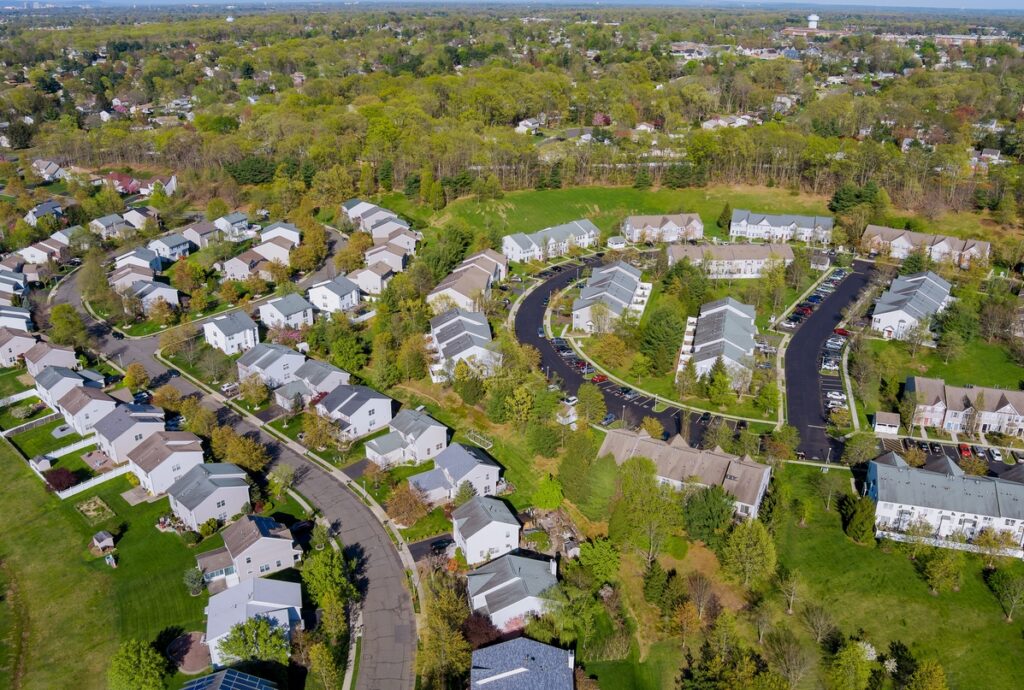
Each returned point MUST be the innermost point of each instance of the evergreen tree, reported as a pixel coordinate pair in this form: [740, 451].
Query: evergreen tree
[725, 217]
[719, 384]
[642, 179]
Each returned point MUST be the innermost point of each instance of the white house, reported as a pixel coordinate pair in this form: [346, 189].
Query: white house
[290, 311]
[125, 427]
[277, 248]
[531, 663]
[910, 301]
[356, 410]
[453, 466]
[211, 490]
[280, 602]
[201, 234]
[48, 170]
[967, 409]
[673, 227]
[14, 345]
[484, 528]
[394, 256]
[13, 285]
[164, 458]
[234, 227]
[171, 247]
[44, 251]
[83, 406]
[617, 289]
[54, 382]
[112, 225]
[286, 231]
[899, 244]
[138, 217]
[46, 209]
[231, 333]
[169, 185]
[550, 242]
[123, 278]
[337, 294]
[528, 126]
[44, 355]
[414, 438]
[373, 279]
[149, 292]
[461, 336]
[364, 215]
[945, 501]
[511, 589]
[254, 547]
[247, 264]
[274, 364]
[470, 283]
[17, 318]
[886, 423]
[143, 258]
[725, 329]
[311, 379]
[732, 261]
[780, 228]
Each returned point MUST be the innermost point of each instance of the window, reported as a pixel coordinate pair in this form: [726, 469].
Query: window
[279, 564]
[138, 437]
[175, 468]
[265, 568]
[248, 560]
[221, 504]
[372, 411]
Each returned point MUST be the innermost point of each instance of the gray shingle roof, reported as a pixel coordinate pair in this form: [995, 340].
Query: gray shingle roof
[233, 323]
[200, 482]
[781, 220]
[522, 664]
[346, 400]
[229, 679]
[413, 423]
[290, 304]
[479, 512]
[314, 372]
[264, 355]
[124, 417]
[457, 330]
[613, 285]
[920, 295]
[50, 376]
[339, 285]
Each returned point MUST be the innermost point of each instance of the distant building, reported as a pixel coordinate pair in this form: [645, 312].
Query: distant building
[965, 409]
[732, 261]
[899, 244]
[610, 291]
[780, 228]
[550, 242]
[673, 227]
[458, 335]
[725, 329]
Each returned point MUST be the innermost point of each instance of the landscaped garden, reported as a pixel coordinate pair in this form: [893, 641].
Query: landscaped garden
[22, 412]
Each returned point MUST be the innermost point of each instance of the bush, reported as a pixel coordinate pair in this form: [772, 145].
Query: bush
[132, 479]
[191, 538]
[22, 412]
[60, 478]
[209, 528]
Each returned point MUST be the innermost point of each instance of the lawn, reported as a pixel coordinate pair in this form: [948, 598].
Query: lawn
[292, 426]
[878, 590]
[393, 477]
[433, 524]
[75, 463]
[657, 670]
[40, 440]
[9, 383]
[982, 364]
[9, 421]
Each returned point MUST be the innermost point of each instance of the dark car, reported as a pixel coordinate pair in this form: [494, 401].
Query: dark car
[173, 373]
[439, 546]
[705, 418]
[814, 299]
[117, 335]
[936, 449]
[608, 419]
[741, 425]
[923, 445]
[556, 269]
[622, 390]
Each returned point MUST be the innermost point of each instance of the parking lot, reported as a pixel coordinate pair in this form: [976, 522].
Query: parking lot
[937, 450]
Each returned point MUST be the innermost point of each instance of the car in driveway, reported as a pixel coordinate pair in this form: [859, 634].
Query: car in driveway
[936, 449]
[571, 400]
[841, 331]
[997, 454]
[980, 452]
[705, 418]
[836, 395]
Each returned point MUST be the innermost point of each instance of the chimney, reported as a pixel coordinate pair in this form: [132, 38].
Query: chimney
[572, 660]
[553, 564]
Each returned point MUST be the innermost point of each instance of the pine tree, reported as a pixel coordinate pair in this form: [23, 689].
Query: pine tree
[719, 383]
[725, 217]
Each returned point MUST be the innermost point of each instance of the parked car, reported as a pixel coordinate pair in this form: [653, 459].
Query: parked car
[540, 332]
[814, 299]
[598, 378]
[997, 454]
[571, 400]
[842, 331]
[936, 449]
[965, 450]
[923, 445]
[608, 419]
[836, 395]
[980, 452]
[117, 335]
[705, 418]
[1017, 455]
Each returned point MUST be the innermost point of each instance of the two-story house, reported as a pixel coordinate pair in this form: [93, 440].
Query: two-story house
[164, 458]
[511, 589]
[125, 427]
[372, 280]
[455, 465]
[231, 333]
[274, 600]
[312, 379]
[356, 410]
[43, 355]
[671, 227]
[13, 346]
[609, 292]
[732, 261]
[171, 247]
[415, 437]
[274, 364]
[550, 242]
[484, 528]
[254, 547]
[780, 228]
[83, 406]
[460, 336]
[335, 295]
[201, 234]
[290, 311]
[212, 490]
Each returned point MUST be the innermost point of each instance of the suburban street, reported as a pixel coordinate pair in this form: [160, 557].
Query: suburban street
[389, 638]
[804, 386]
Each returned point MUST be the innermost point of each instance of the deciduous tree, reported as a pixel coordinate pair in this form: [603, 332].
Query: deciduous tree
[137, 666]
[749, 553]
[257, 639]
[406, 505]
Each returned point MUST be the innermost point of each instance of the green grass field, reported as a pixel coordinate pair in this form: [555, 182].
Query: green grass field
[9, 421]
[982, 364]
[41, 440]
[656, 671]
[9, 383]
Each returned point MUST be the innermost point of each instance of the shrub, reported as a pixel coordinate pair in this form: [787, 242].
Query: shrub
[191, 538]
[22, 412]
[60, 478]
[132, 479]
[209, 528]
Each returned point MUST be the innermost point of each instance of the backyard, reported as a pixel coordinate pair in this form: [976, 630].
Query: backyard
[41, 440]
[8, 419]
[14, 380]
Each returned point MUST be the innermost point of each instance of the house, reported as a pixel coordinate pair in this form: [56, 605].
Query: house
[141, 257]
[44, 355]
[337, 294]
[274, 364]
[44, 251]
[171, 247]
[402, 237]
[609, 292]
[229, 679]
[461, 336]
[911, 301]
[357, 410]
[123, 183]
[290, 311]
[470, 283]
[47, 209]
[254, 546]
[280, 602]
[125, 427]
[724, 330]
[887, 423]
[168, 184]
[453, 466]
[14, 344]
[373, 279]
[123, 278]
[277, 249]
[528, 126]
[13, 284]
[945, 501]
[212, 490]
[161, 460]
[677, 465]
[967, 409]
[234, 226]
[414, 438]
[899, 244]
[391, 227]
[246, 264]
[149, 292]
[48, 170]
[18, 318]
[511, 589]
[201, 234]
[139, 216]
[392, 255]
[676, 227]
[287, 231]
[780, 228]
[112, 225]
[311, 379]
[231, 333]
[484, 528]
[732, 261]
[83, 406]
[520, 663]
[363, 215]
[550, 242]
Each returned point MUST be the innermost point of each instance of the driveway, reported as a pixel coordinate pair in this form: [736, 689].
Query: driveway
[804, 386]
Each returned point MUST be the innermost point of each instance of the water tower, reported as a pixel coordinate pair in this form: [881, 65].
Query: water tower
[812, 21]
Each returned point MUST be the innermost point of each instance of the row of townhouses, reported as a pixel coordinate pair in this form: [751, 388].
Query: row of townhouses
[899, 244]
[610, 291]
[724, 330]
[910, 301]
[550, 242]
[965, 409]
[732, 261]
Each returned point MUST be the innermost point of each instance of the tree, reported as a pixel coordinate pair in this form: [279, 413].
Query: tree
[600, 557]
[646, 512]
[687, 379]
[767, 398]
[725, 217]
[167, 397]
[464, 493]
[280, 479]
[661, 337]
[591, 407]
[542, 438]
[915, 457]
[407, 505]
[818, 620]
[943, 569]
[257, 639]
[993, 544]
[216, 208]
[445, 653]
[198, 419]
[253, 390]
[858, 518]
[318, 432]
[707, 514]
[974, 466]
[786, 655]
[929, 675]
[323, 667]
[326, 573]
[859, 449]
[246, 452]
[193, 579]
[1009, 590]
[951, 346]
[850, 668]
[548, 495]
[828, 485]
[137, 666]
[702, 593]
[67, 327]
[749, 553]
[136, 377]
[719, 384]
[640, 366]
[652, 426]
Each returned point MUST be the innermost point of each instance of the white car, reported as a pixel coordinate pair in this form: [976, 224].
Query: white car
[836, 395]
[571, 400]
[997, 454]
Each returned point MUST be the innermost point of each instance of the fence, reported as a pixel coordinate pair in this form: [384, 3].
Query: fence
[95, 481]
[33, 424]
[17, 397]
[67, 450]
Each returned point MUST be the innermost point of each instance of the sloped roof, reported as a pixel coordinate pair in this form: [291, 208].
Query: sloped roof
[510, 579]
[250, 598]
[243, 533]
[782, 220]
[233, 323]
[730, 252]
[521, 664]
[290, 304]
[264, 355]
[161, 446]
[613, 285]
[479, 512]
[124, 417]
[79, 397]
[202, 481]
[920, 295]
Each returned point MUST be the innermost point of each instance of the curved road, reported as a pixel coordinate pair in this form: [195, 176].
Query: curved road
[389, 632]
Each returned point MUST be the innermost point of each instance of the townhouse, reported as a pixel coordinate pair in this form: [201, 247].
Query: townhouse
[356, 410]
[965, 409]
[461, 336]
[274, 364]
[141, 257]
[44, 251]
[231, 333]
[290, 311]
[899, 244]
[455, 465]
[14, 345]
[732, 261]
[415, 437]
[234, 227]
[336, 295]
[780, 228]
[150, 292]
[674, 227]
[17, 318]
[470, 282]
[724, 329]
[254, 547]
[201, 234]
[610, 291]
[910, 301]
[391, 254]
[484, 528]
[162, 459]
[363, 215]
[372, 280]
[511, 589]
[550, 242]
[209, 491]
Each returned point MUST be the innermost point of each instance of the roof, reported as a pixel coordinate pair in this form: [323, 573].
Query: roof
[50, 376]
[887, 418]
[202, 481]
[960, 398]
[147, 255]
[75, 400]
[41, 349]
[122, 418]
[613, 285]
[339, 285]
[458, 330]
[742, 478]
[923, 240]
[508, 580]
[946, 487]
[451, 466]
[229, 679]
[145, 288]
[479, 512]
[315, 372]
[235, 217]
[131, 270]
[725, 329]
[202, 228]
[919, 295]
[413, 423]
[250, 598]
[109, 220]
[347, 399]
[233, 323]
[782, 220]
[9, 334]
[520, 664]
[290, 304]
[243, 533]
[160, 447]
[172, 240]
[264, 355]
[730, 252]
[679, 219]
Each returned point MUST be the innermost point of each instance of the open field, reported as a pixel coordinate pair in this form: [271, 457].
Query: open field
[982, 364]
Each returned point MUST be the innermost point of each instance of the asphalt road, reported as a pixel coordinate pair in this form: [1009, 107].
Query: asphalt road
[389, 636]
[530, 317]
[804, 386]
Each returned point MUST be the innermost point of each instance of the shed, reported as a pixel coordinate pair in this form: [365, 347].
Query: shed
[103, 540]
[887, 423]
